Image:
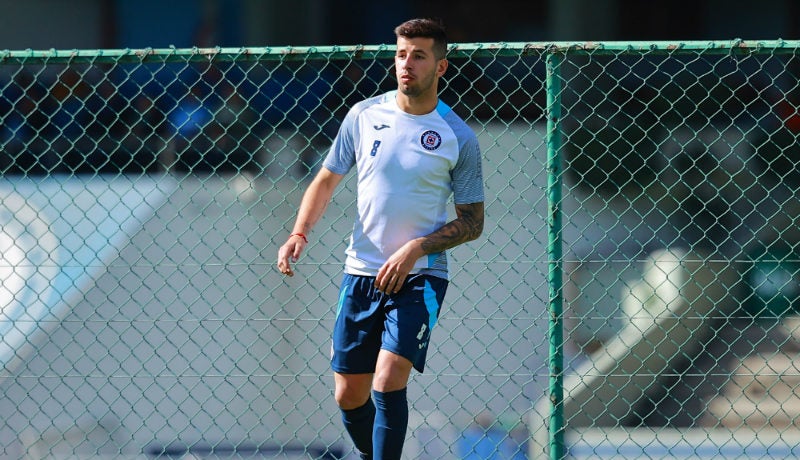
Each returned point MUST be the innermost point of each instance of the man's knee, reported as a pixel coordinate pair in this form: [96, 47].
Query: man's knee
[349, 400]
[352, 390]
[392, 372]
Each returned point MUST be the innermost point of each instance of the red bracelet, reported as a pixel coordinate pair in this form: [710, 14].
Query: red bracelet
[300, 235]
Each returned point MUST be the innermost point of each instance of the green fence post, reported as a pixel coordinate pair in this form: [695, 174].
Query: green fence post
[554, 252]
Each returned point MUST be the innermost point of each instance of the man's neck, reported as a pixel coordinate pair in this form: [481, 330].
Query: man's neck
[417, 105]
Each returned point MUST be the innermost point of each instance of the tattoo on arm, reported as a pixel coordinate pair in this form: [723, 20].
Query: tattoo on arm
[467, 226]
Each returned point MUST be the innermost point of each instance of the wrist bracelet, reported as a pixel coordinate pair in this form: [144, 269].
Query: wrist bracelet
[301, 235]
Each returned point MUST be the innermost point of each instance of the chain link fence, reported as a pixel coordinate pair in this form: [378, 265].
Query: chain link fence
[641, 207]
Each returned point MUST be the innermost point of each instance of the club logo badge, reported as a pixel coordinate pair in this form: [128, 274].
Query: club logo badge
[430, 140]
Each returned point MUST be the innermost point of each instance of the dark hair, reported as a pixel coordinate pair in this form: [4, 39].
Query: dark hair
[425, 28]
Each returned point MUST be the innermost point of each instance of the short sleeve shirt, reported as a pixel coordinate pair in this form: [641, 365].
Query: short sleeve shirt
[408, 167]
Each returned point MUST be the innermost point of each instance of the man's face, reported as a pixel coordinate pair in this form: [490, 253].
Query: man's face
[416, 66]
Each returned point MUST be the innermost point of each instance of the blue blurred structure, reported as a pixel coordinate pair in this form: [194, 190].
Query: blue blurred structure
[487, 440]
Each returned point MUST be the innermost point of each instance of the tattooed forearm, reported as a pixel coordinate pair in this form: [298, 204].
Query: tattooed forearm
[467, 226]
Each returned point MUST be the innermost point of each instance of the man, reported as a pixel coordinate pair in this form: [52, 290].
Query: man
[411, 152]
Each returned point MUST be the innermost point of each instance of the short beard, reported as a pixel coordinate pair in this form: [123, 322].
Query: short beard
[409, 91]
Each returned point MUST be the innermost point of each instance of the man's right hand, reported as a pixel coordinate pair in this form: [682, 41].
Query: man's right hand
[290, 251]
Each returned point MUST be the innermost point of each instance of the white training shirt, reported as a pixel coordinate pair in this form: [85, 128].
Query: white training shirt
[407, 166]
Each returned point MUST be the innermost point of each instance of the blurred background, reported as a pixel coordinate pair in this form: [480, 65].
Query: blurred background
[45, 24]
[239, 140]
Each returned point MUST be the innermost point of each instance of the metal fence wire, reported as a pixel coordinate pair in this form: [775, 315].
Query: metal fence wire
[636, 293]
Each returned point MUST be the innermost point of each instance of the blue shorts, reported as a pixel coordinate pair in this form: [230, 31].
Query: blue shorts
[368, 320]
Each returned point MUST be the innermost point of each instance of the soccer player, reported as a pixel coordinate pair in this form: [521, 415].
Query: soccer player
[411, 153]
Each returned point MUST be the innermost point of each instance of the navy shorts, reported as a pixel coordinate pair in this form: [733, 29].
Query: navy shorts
[368, 320]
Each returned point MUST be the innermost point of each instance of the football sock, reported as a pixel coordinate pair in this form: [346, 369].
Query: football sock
[391, 422]
[359, 422]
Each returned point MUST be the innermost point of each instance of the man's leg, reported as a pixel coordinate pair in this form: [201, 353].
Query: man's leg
[391, 404]
[358, 411]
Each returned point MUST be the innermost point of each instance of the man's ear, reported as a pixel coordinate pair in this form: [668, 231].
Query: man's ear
[441, 67]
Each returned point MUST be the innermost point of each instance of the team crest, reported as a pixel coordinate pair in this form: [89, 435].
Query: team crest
[431, 140]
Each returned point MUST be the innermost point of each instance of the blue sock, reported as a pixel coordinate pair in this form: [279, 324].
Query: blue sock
[358, 422]
[391, 422]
